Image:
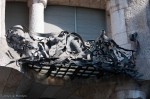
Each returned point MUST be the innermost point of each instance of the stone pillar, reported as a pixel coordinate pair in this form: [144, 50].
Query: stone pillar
[3, 43]
[117, 18]
[36, 23]
[127, 88]
[2, 18]
[131, 94]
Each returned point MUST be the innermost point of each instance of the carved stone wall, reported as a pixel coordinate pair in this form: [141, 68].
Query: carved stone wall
[137, 20]
[127, 17]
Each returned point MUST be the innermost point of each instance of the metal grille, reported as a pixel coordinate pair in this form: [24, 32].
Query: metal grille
[70, 71]
[73, 71]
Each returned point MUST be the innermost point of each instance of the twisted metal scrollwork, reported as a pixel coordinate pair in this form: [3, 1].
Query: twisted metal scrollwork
[69, 48]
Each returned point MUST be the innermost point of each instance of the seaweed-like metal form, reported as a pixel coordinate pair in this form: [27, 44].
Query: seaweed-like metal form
[68, 49]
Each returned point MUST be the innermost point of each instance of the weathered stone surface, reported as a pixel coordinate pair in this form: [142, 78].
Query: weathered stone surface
[24, 86]
[137, 3]
[55, 81]
[2, 19]
[36, 23]
[84, 3]
[36, 91]
[115, 5]
[74, 2]
[5, 73]
[98, 4]
[123, 4]
[5, 58]
[121, 38]
[103, 4]
[95, 3]
[18, 0]
[12, 83]
[96, 90]
[51, 91]
[118, 22]
[62, 2]
[52, 2]
[136, 18]
[127, 46]
[143, 68]
[130, 17]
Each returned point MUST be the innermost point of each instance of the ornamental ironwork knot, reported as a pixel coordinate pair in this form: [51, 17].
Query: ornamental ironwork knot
[67, 55]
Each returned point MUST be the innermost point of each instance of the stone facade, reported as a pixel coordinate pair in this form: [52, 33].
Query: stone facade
[136, 16]
[131, 16]
[2, 20]
[124, 17]
[98, 4]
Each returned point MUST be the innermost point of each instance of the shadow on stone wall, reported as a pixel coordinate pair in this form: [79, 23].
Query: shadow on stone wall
[13, 83]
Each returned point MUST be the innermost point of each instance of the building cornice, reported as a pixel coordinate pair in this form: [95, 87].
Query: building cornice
[97, 4]
[30, 2]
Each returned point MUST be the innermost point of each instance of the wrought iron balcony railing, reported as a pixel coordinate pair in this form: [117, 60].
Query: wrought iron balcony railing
[68, 56]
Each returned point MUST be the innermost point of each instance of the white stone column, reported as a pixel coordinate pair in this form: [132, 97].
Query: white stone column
[36, 22]
[2, 18]
[118, 26]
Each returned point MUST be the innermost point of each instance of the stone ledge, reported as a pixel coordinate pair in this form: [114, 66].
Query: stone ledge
[97, 4]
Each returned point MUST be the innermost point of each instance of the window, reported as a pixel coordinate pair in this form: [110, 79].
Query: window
[87, 22]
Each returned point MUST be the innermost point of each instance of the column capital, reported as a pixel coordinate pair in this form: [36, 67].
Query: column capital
[44, 2]
[30, 2]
